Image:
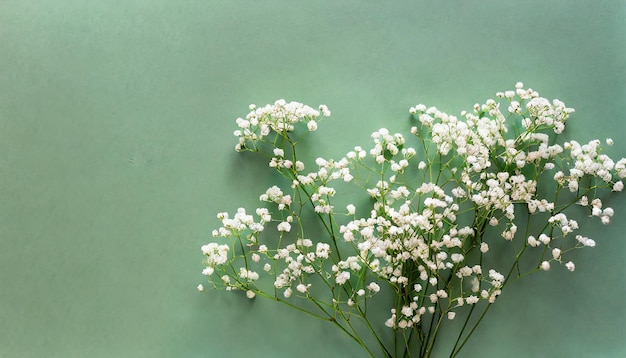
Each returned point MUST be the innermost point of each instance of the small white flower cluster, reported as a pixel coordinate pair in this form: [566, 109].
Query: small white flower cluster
[280, 117]
[299, 260]
[216, 254]
[430, 232]
[588, 161]
[279, 161]
[387, 146]
[241, 222]
[275, 194]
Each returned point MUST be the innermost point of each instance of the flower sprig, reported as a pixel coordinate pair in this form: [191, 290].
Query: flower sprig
[442, 200]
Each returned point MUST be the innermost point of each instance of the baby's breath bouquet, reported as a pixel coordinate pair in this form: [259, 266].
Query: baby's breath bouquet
[429, 227]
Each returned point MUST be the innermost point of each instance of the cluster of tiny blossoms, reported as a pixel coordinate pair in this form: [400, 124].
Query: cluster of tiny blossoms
[496, 175]
[279, 117]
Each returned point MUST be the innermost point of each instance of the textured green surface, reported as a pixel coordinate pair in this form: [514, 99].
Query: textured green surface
[116, 153]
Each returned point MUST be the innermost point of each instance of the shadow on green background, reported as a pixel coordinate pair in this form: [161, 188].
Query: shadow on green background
[116, 152]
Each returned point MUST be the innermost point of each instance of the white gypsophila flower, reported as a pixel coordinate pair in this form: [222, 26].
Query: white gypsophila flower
[342, 277]
[321, 162]
[287, 293]
[407, 311]
[464, 272]
[284, 226]
[248, 274]
[250, 294]
[200, 288]
[509, 234]
[533, 242]
[545, 265]
[456, 258]
[304, 242]
[496, 276]
[322, 250]
[585, 241]
[570, 266]
[324, 109]
[373, 287]
[264, 214]
[391, 321]
[215, 254]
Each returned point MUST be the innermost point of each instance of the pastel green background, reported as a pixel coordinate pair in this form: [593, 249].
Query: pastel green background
[116, 152]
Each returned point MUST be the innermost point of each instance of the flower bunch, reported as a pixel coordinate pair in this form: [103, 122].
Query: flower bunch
[450, 212]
